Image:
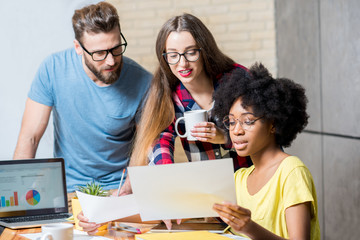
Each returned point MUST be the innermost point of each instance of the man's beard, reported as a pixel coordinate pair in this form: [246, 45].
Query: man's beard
[109, 79]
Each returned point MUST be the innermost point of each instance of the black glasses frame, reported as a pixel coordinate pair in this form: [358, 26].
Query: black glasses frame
[181, 54]
[107, 50]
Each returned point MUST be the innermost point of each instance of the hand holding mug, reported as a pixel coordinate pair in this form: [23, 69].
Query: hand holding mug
[191, 118]
[209, 132]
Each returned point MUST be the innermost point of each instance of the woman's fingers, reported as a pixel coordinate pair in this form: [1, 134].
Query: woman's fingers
[209, 132]
[230, 207]
[168, 223]
[204, 127]
[89, 227]
[233, 215]
[81, 217]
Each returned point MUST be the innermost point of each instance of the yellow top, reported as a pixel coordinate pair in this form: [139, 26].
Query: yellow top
[291, 184]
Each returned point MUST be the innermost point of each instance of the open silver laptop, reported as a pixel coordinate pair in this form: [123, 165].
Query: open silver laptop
[32, 192]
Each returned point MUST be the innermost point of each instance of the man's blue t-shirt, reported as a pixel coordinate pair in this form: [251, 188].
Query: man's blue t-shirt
[93, 126]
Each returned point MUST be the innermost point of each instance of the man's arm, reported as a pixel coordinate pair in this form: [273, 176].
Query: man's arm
[34, 123]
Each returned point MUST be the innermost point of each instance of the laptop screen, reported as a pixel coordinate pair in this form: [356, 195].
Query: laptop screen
[32, 187]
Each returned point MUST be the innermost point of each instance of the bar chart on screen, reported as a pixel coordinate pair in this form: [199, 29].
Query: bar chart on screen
[10, 201]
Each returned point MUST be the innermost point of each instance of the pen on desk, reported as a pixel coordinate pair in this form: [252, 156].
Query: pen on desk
[128, 228]
[122, 177]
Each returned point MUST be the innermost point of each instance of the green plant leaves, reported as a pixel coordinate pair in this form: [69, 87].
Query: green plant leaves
[93, 188]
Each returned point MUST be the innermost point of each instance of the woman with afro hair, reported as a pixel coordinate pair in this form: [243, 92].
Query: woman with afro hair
[276, 197]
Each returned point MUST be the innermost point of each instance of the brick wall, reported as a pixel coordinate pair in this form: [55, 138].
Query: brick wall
[243, 29]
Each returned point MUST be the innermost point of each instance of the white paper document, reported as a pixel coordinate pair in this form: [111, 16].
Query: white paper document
[182, 190]
[104, 209]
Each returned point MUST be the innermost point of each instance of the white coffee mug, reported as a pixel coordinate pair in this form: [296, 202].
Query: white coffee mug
[191, 118]
[57, 231]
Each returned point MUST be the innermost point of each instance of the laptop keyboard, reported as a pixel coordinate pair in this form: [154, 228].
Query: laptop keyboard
[35, 218]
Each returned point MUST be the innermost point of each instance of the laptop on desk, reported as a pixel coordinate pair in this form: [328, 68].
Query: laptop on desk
[32, 192]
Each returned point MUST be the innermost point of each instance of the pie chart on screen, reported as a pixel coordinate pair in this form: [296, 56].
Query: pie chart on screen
[33, 197]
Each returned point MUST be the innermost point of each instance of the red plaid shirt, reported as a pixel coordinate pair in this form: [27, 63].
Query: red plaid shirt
[163, 150]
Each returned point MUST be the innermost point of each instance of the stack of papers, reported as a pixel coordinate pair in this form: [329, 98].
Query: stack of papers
[105, 209]
[172, 191]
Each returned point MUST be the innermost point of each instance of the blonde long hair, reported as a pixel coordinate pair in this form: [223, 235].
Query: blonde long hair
[158, 112]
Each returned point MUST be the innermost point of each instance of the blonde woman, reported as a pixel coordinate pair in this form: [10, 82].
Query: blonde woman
[190, 65]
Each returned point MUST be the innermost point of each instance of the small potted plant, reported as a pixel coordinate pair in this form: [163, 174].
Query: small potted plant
[92, 188]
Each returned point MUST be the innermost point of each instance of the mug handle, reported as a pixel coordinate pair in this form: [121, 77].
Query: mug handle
[176, 126]
[44, 237]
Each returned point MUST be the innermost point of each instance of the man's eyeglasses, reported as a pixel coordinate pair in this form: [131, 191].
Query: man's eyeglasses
[102, 54]
[246, 122]
[191, 55]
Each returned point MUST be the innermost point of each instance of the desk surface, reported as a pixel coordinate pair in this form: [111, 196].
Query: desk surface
[9, 234]
[111, 233]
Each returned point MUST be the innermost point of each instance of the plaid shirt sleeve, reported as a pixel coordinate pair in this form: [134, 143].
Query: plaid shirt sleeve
[163, 150]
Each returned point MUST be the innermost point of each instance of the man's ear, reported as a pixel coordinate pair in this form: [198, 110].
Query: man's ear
[78, 48]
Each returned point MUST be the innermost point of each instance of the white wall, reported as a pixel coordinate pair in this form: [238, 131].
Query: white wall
[30, 30]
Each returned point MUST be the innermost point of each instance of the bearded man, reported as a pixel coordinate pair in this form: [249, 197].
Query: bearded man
[94, 93]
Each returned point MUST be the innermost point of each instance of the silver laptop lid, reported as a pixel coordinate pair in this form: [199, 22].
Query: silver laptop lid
[32, 187]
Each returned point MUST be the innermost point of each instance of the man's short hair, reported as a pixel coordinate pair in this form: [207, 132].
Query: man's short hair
[95, 18]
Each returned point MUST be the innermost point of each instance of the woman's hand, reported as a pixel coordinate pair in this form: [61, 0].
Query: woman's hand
[168, 223]
[209, 132]
[90, 227]
[236, 217]
[239, 219]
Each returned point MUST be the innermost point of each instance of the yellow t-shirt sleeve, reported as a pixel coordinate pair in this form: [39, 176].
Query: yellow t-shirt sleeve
[299, 188]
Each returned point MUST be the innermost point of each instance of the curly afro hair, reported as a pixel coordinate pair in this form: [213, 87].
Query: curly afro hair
[281, 101]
